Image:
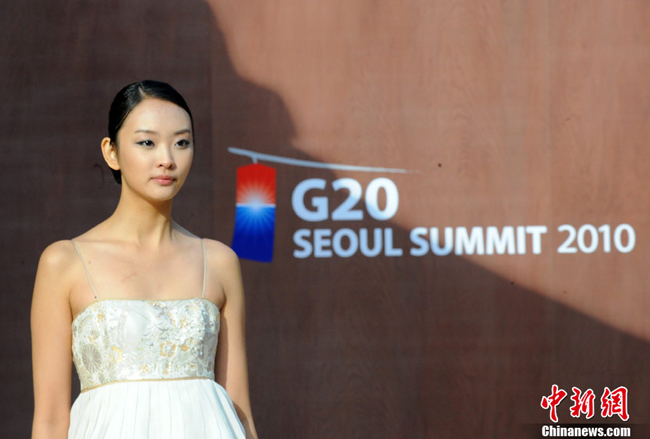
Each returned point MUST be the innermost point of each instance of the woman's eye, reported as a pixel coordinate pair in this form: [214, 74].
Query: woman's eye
[145, 143]
[183, 143]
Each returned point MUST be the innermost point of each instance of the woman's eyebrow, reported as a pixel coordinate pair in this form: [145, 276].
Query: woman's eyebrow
[144, 130]
[148, 131]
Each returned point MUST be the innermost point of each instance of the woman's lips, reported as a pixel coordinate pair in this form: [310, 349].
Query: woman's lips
[164, 180]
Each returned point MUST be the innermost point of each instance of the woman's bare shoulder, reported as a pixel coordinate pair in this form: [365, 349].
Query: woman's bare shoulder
[62, 254]
[58, 255]
[220, 252]
[225, 263]
[57, 265]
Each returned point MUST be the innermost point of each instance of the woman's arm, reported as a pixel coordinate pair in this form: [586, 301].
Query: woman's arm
[51, 343]
[231, 366]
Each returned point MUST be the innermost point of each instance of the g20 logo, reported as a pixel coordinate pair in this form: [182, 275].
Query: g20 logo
[346, 211]
[310, 203]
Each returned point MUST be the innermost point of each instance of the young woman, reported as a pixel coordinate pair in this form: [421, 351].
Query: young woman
[139, 304]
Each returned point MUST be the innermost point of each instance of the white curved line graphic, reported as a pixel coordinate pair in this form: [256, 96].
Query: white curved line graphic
[255, 156]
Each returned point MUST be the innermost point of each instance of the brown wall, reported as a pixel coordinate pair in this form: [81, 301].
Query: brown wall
[508, 113]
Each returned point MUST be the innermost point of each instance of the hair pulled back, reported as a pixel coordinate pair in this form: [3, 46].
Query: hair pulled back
[130, 96]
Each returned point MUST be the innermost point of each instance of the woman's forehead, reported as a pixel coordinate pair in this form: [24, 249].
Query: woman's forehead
[157, 116]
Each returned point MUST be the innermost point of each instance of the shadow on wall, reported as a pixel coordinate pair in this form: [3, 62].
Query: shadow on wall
[348, 348]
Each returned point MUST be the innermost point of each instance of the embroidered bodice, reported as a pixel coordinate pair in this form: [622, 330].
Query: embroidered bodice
[116, 340]
[130, 340]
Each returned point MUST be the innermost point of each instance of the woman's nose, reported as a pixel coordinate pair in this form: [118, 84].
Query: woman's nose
[166, 158]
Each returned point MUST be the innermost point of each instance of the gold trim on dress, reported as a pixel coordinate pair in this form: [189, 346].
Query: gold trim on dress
[145, 379]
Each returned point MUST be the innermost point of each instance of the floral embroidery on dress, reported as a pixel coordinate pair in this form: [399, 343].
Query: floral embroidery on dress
[91, 359]
[114, 340]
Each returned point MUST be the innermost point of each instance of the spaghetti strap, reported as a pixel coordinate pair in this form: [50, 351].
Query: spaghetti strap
[85, 268]
[205, 267]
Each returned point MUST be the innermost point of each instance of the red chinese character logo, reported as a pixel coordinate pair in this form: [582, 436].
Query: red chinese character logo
[582, 404]
[551, 401]
[614, 403]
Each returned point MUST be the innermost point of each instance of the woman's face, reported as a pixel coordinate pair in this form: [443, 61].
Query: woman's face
[155, 149]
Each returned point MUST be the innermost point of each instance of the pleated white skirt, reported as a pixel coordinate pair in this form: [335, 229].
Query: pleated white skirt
[167, 409]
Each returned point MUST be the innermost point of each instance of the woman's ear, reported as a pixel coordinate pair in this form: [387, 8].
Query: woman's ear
[109, 151]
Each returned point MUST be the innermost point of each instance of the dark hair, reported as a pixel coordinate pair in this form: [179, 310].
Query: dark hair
[130, 96]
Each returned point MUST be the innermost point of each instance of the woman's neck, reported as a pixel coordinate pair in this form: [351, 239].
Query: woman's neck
[142, 222]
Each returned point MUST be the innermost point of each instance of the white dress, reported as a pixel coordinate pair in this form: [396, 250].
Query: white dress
[147, 371]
